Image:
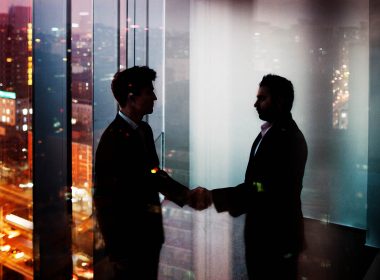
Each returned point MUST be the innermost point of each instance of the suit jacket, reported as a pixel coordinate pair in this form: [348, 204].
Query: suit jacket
[270, 194]
[126, 192]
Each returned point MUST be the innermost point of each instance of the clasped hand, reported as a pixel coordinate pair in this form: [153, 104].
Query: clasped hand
[200, 198]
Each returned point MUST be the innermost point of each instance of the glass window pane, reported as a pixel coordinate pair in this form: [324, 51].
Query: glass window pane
[124, 33]
[294, 40]
[140, 30]
[178, 255]
[131, 32]
[52, 208]
[106, 37]
[16, 182]
[82, 137]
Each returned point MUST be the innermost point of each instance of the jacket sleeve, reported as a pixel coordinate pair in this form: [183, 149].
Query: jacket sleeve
[164, 184]
[235, 200]
[170, 188]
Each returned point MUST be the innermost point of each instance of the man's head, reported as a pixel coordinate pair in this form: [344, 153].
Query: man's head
[274, 98]
[133, 87]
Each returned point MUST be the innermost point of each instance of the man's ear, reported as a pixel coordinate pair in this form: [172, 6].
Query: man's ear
[280, 103]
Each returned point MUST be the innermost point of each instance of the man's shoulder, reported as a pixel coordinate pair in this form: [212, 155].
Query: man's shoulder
[294, 135]
[287, 131]
[287, 125]
[145, 126]
[116, 129]
[118, 125]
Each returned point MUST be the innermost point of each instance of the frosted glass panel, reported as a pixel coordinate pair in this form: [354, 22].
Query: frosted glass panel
[323, 50]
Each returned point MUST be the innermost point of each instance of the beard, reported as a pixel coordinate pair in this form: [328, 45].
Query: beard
[267, 116]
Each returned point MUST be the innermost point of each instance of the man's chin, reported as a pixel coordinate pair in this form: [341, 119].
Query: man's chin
[262, 117]
[265, 117]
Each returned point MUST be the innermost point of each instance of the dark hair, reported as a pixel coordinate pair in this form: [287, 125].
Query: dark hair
[131, 80]
[279, 88]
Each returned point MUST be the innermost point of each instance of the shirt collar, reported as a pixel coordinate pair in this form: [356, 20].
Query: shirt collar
[265, 127]
[128, 120]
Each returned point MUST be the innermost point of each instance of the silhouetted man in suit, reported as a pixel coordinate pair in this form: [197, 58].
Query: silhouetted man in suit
[128, 180]
[270, 194]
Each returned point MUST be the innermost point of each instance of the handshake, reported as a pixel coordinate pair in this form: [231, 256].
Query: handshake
[199, 198]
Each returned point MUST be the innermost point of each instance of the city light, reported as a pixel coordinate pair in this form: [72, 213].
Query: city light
[341, 95]
[13, 234]
[30, 36]
[7, 94]
[5, 248]
[26, 186]
[18, 255]
[21, 222]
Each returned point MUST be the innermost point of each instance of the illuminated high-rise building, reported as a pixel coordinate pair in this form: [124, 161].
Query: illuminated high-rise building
[176, 259]
[18, 52]
[3, 49]
[81, 113]
[81, 165]
[7, 108]
[24, 114]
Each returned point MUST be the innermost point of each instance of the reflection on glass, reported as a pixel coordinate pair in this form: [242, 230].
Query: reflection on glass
[231, 47]
[341, 97]
[16, 66]
[168, 54]
[81, 120]
[106, 62]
